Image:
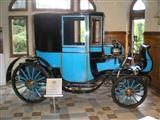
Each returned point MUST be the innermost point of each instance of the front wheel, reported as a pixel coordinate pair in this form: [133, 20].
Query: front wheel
[29, 82]
[129, 91]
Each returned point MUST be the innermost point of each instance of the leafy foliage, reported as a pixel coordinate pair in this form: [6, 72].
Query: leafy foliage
[138, 34]
[82, 32]
[19, 36]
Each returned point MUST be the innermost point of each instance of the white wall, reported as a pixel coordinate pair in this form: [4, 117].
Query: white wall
[117, 14]
[4, 58]
[0, 13]
[4, 25]
[2, 72]
[151, 12]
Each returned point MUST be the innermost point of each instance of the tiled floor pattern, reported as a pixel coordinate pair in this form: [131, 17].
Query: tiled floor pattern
[92, 106]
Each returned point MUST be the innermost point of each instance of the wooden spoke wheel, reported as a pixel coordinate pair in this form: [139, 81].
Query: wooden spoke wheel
[29, 82]
[129, 91]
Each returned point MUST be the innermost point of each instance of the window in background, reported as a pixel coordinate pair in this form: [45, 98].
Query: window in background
[87, 5]
[137, 24]
[18, 35]
[53, 4]
[18, 5]
[139, 5]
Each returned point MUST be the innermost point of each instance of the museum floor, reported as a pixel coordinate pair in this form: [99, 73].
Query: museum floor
[93, 106]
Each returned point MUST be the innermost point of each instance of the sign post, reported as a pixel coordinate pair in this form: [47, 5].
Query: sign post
[54, 89]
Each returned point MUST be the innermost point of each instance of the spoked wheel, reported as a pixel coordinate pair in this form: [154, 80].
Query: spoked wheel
[129, 91]
[29, 82]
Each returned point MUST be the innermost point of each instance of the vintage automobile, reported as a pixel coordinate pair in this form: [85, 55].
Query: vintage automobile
[70, 46]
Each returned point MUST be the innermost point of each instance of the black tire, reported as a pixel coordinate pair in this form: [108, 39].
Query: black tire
[9, 70]
[31, 79]
[129, 91]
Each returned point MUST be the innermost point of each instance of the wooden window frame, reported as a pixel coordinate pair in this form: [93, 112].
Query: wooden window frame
[17, 9]
[52, 9]
[11, 39]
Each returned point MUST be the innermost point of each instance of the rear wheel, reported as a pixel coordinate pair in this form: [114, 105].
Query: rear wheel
[129, 91]
[29, 82]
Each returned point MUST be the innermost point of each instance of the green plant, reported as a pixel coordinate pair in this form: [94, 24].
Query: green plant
[19, 36]
[138, 34]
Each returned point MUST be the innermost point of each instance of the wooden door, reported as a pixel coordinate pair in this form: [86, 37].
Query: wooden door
[156, 66]
[153, 39]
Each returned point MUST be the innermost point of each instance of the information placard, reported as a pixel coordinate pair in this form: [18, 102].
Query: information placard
[54, 87]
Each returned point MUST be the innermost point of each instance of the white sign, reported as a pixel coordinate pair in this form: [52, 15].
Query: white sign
[54, 87]
[148, 118]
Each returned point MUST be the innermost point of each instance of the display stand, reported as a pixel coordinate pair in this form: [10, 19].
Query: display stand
[53, 90]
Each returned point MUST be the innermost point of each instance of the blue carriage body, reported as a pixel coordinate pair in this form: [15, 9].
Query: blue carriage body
[74, 66]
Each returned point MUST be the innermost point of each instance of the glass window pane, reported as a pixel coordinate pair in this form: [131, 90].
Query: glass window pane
[19, 4]
[19, 35]
[86, 5]
[82, 31]
[96, 32]
[74, 31]
[138, 26]
[53, 4]
[139, 5]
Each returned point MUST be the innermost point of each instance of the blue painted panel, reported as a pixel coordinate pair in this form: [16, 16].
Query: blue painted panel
[54, 59]
[90, 76]
[107, 49]
[74, 67]
[111, 64]
[95, 49]
[73, 49]
[149, 63]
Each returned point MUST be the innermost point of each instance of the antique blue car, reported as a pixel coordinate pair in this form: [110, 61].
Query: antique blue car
[70, 46]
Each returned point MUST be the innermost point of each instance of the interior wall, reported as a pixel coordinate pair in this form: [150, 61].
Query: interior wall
[4, 58]
[0, 13]
[2, 72]
[151, 11]
[117, 14]
[4, 25]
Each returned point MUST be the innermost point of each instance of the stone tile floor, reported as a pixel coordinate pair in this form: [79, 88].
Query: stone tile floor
[92, 106]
